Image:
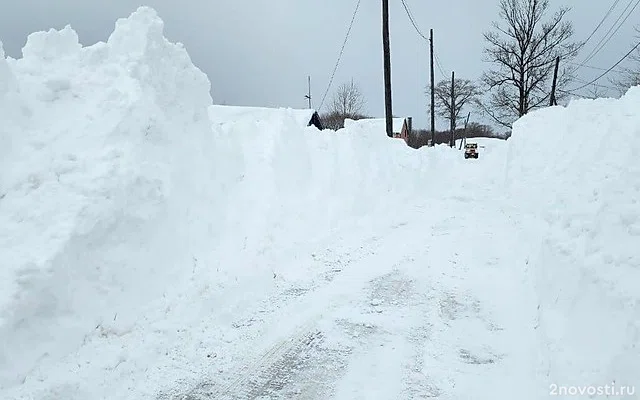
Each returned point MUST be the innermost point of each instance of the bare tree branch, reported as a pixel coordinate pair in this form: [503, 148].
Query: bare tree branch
[596, 92]
[523, 52]
[465, 92]
[348, 100]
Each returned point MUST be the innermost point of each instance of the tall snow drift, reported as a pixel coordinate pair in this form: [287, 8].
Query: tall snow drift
[576, 169]
[103, 156]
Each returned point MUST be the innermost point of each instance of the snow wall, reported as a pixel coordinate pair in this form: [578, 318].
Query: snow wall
[574, 173]
[119, 182]
[103, 148]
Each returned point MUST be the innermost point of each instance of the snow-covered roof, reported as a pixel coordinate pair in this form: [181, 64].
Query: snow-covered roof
[377, 123]
[223, 113]
[397, 124]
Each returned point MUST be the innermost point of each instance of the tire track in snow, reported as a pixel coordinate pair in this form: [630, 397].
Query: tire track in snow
[332, 263]
[399, 311]
[270, 373]
[480, 318]
[305, 362]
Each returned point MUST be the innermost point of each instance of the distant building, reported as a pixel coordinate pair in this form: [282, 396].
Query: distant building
[401, 126]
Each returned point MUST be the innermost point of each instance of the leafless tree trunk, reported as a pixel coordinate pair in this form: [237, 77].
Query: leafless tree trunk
[524, 53]
[348, 100]
[465, 92]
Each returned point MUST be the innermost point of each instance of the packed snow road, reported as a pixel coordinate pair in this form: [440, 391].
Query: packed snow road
[434, 304]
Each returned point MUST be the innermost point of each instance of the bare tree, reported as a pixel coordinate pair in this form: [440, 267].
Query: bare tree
[629, 76]
[348, 101]
[524, 53]
[464, 92]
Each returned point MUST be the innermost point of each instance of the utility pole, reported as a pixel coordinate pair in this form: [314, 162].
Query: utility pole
[433, 112]
[464, 137]
[452, 143]
[387, 68]
[308, 96]
[553, 101]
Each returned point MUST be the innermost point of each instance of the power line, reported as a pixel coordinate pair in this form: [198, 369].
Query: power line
[596, 84]
[615, 3]
[608, 70]
[439, 66]
[607, 37]
[591, 67]
[333, 74]
[618, 28]
[577, 94]
[413, 22]
[596, 47]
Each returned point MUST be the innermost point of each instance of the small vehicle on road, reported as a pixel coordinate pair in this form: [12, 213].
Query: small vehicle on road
[471, 150]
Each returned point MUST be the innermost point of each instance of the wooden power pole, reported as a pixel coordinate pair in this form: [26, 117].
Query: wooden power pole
[308, 96]
[553, 101]
[464, 136]
[433, 90]
[452, 143]
[387, 68]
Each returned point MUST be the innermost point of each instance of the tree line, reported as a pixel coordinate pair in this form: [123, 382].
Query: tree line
[522, 49]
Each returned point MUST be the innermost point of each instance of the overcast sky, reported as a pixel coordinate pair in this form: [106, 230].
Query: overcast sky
[260, 52]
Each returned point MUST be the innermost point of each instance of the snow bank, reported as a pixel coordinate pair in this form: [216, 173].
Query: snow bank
[374, 124]
[221, 114]
[101, 185]
[294, 183]
[577, 170]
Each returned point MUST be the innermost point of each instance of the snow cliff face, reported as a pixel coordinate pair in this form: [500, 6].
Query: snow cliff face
[108, 146]
[10, 115]
[576, 169]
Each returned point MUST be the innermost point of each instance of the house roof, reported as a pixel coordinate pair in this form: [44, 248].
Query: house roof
[222, 113]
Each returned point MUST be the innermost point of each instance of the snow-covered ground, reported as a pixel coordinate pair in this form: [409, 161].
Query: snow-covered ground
[153, 246]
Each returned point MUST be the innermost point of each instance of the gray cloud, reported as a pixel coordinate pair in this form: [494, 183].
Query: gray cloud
[259, 52]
